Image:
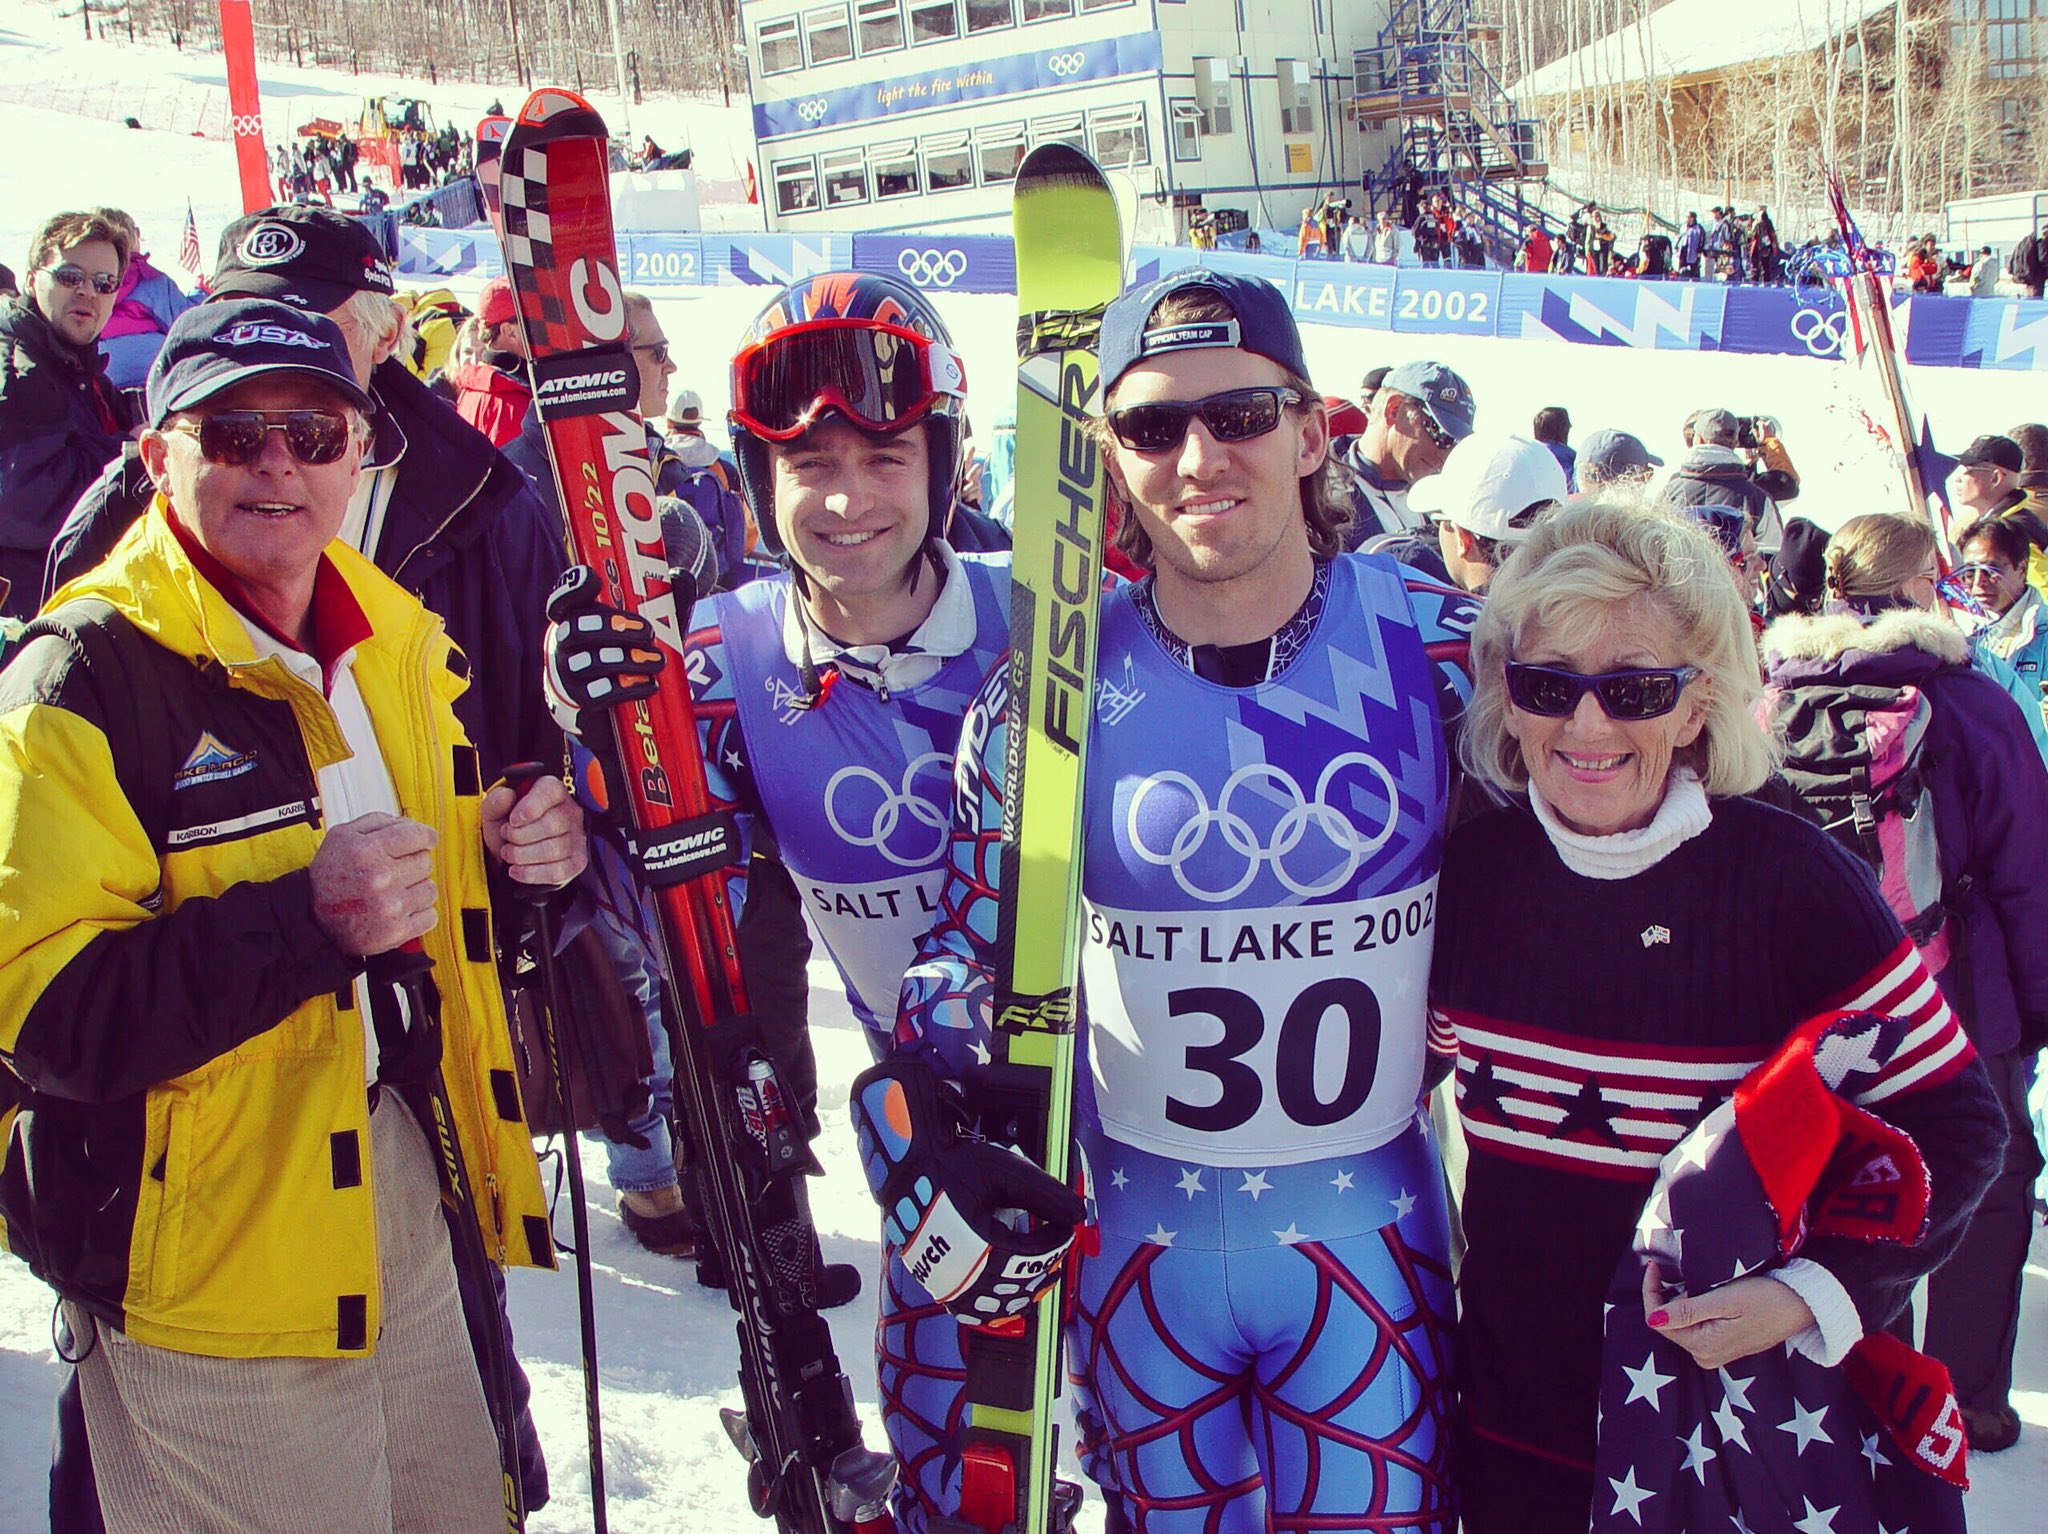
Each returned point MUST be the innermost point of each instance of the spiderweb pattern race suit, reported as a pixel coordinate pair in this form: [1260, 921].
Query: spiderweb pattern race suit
[856, 792]
[1261, 1342]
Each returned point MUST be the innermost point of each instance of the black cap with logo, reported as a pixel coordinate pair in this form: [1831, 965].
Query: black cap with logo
[310, 257]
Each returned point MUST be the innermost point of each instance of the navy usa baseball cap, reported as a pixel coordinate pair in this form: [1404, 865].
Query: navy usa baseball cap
[218, 345]
[1442, 393]
[1263, 323]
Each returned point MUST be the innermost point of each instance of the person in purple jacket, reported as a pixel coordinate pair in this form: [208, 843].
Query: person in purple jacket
[1983, 776]
[143, 311]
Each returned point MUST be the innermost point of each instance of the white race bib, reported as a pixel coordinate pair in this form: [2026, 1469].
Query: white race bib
[1261, 1038]
[872, 932]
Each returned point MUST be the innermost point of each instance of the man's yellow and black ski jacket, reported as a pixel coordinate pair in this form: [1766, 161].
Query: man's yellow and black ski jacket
[184, 1128]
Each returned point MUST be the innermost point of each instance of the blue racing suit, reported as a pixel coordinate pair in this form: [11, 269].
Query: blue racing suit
[1261, 1340]
[856, 788]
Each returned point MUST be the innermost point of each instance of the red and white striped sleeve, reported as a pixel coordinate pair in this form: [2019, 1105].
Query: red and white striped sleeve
[1935, 1047]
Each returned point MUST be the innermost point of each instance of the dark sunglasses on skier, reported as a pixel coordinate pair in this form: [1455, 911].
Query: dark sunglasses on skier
[1236, 415]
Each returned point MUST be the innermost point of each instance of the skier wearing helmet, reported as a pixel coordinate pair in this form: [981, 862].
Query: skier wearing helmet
[829, 696]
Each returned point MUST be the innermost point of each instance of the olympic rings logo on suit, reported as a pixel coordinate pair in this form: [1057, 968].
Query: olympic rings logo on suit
[932, 268]
[1066, 65]
[895, 803]
[1820, 333]
[813, 110]
[1241, 837]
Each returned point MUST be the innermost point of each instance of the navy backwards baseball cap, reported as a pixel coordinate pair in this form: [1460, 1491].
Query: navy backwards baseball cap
[217, 345]
[1443, 394]
[1264, 325]
[309, 256]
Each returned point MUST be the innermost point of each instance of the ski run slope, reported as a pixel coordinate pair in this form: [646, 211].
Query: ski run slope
[667, 1346]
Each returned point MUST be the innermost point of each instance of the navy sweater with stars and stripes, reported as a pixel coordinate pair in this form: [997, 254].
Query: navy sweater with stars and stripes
[1595, 1021]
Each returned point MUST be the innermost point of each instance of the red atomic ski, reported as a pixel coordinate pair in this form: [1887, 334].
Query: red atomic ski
[807, 1467]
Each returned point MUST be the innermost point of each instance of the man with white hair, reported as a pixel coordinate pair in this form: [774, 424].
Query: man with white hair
[436, 507]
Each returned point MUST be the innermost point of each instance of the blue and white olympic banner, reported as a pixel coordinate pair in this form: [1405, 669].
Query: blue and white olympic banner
[1109, 58]
[2003, 333]
[1445, 300]
[424, 252]
[769, 260]
[1600, 311]
[1777, 322]
[2006, 333]
[965, 263]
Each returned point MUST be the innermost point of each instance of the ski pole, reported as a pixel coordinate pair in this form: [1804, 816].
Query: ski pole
[409, 1047]
[519, 778]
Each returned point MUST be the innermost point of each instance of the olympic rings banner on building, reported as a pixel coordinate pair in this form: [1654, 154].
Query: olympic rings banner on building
[2003, 333]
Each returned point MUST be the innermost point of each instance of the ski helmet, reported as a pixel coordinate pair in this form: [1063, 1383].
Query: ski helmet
[868, 348]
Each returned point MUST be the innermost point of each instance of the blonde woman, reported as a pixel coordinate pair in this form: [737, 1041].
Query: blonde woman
[1880, 667]
[1619, 946]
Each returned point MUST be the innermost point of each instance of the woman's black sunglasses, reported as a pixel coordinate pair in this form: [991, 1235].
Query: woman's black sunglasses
[236, 437]
[1648, 692]
[1236, 415]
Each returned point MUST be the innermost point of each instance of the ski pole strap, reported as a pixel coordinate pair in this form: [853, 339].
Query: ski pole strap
[685, 849]
[405, 1015]
[1058, 330]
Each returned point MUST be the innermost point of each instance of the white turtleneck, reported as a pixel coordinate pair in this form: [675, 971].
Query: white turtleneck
[1683, 814]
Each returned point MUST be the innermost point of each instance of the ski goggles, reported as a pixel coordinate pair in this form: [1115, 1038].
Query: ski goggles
[1236, 415]
[1647, 692]
[235, 438]
[881, 377]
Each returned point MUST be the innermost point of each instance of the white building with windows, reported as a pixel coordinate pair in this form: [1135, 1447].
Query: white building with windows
[879, 115]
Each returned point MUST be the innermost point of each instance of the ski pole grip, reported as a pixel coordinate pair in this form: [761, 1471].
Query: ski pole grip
[520, 778]
[396, 966]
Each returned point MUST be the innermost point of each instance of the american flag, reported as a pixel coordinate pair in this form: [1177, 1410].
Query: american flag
[1777, 1441]
[189, 255]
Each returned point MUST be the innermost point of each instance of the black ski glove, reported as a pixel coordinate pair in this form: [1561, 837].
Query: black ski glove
[979, 1225]
[597, 657]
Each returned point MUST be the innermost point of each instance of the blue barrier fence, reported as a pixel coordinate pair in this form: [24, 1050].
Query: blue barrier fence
[2001, 333]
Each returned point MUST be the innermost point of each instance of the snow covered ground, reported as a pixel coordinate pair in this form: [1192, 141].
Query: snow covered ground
[668, 1346]
[667, 1353]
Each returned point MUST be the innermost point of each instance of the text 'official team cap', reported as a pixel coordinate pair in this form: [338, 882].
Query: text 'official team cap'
[218, 345]
[312, 257]
[1442, 393]
[1263, 324]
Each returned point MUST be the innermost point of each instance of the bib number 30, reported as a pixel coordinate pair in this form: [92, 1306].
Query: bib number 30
[1240, 1089]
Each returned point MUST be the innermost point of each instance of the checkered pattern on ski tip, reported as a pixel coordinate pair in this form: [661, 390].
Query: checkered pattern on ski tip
[529, 250]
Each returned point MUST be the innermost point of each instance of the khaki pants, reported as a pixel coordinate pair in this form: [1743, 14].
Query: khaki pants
[396, 1442]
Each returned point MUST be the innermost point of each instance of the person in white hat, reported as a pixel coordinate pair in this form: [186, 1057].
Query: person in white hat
[684, 429]
[1491, 492]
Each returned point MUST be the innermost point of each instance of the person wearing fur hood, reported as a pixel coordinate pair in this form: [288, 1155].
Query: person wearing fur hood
[1883, 662]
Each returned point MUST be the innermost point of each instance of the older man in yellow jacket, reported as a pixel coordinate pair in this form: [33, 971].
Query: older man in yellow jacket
[232, 785]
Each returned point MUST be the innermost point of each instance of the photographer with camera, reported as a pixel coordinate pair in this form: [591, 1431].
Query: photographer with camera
[1739, 462]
